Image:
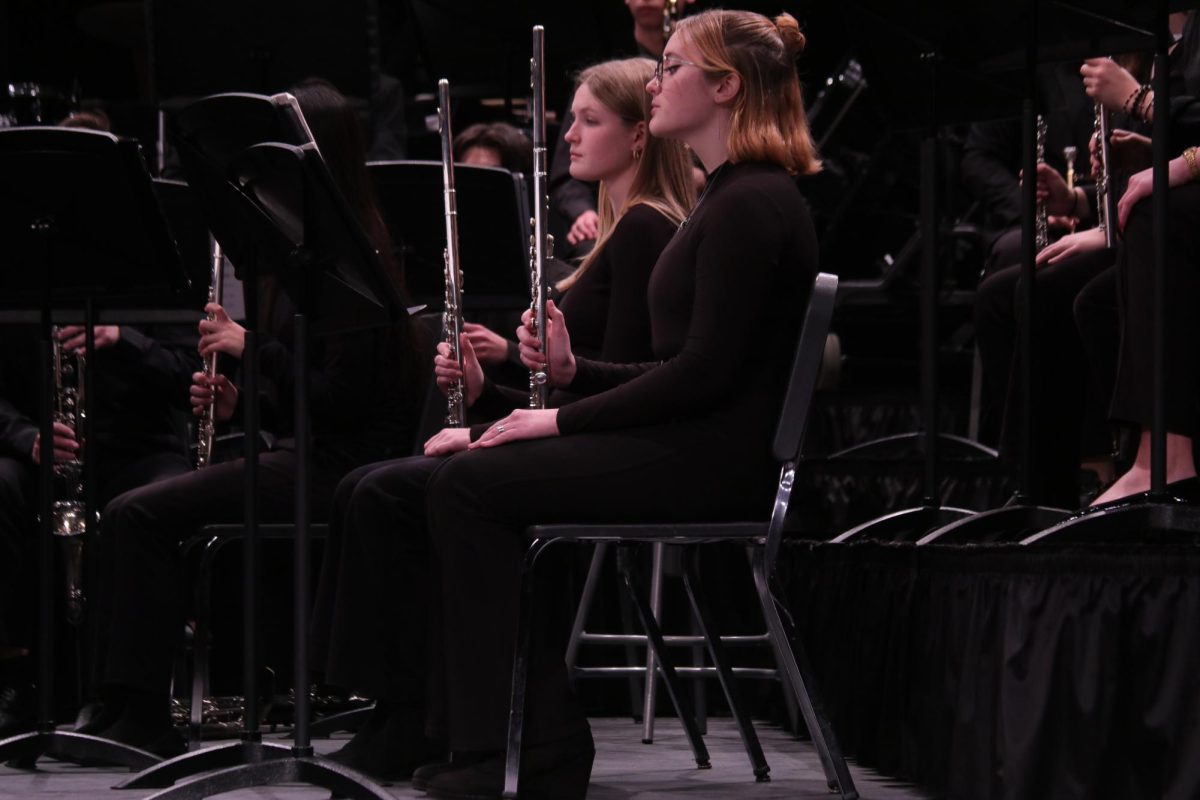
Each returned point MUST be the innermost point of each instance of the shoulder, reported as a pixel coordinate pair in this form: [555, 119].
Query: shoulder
[644, 218]
[755, 194]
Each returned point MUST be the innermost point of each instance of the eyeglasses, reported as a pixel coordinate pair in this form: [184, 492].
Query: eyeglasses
[671, 64]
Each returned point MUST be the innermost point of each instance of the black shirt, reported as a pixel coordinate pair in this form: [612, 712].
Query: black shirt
[726, 299]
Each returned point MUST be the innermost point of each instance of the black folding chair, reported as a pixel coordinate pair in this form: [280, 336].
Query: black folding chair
[763, 538]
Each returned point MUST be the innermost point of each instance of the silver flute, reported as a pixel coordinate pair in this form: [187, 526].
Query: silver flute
[206, 431]
[69, 509]
[1041, 221]
[1106, 200]
[541, 243]
[452, 321]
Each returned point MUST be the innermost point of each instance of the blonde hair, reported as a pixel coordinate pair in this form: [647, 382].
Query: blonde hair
[768, 122]
[663, 177]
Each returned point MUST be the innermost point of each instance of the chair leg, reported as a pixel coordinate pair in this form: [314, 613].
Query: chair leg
[790, 655]
[637, 681]
[790, 704]
[670, 678]
[201, 639]
[585, 605]
[648, 699]
[520, 671]
[716, 650]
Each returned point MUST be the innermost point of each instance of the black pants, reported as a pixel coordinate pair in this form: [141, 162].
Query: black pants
[144, 528]
[479, 503]
[370, 622]
[1134, 396]
[1062, 430]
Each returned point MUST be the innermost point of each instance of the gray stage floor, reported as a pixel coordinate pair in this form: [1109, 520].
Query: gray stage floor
[625, 769]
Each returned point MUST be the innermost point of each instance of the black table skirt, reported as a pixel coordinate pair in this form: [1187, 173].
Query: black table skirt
[1009, 672]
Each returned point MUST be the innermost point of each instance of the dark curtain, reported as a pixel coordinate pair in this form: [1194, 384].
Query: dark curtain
[1009, 672]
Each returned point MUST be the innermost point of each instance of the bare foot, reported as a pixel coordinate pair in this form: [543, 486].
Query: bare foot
[1135, 481]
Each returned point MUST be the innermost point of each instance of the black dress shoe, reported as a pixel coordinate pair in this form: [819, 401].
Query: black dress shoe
[1186, 490]
[423, 777]
[390, 745]
[558, 770]
[18, 710]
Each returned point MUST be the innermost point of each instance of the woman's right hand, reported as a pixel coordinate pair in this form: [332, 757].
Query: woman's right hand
[446, 371]
[66, 447]
[1071, 245]
[1108, 83]
[586, 226]
[559, 359]
[489, 346]
[219, 389]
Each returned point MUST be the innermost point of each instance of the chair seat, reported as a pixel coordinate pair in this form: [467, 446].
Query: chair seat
[682, 532]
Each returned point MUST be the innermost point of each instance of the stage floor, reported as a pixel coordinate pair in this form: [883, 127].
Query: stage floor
[625, 769]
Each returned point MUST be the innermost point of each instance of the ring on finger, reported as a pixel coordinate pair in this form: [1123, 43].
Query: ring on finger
[499, 429]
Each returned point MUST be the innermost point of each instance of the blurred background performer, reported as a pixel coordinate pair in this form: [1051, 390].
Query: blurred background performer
[364, 389]
[650, 439]
[140, 375]
[378, 534]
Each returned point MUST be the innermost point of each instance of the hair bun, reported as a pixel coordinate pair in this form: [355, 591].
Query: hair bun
[789, 32]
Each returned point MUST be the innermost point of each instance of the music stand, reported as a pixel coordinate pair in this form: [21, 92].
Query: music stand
[493, 222]
[276, 211]
[80, 215]
[916, 40]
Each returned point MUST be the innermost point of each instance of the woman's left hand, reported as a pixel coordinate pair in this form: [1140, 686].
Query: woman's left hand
[524, 423]
[1072, 244]
[221, 334]
[447, 441]
[1141, 186]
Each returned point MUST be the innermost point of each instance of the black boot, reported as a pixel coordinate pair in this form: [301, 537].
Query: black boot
[558, 770]
[391, 745]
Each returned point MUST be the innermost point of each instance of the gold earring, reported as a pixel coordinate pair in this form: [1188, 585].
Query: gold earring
[637, 154]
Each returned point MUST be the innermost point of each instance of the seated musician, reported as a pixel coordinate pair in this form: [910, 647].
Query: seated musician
[371, 619]
[685, 436]
[364, 392]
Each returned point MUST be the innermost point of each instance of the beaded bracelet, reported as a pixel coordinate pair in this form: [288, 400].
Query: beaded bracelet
[1189, 156]
[1128, 104]
[1142, 110]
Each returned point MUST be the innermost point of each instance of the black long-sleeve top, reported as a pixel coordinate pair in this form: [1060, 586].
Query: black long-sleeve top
[364, 388]
[992, 154]
[726, 299]
[135, 383]
[606, 310]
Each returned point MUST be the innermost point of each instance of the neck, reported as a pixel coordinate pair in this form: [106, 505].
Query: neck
[709, 143]
[650, 38]
[618, 188]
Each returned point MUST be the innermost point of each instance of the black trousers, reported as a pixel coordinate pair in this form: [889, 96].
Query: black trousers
[1133, 398]
[1063, 429]
[479, 503]
[144, 528]
[370, 626]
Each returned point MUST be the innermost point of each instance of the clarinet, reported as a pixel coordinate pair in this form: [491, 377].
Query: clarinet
[206, 431]
[1042, 229]
[69, 510]
[540, 243]
[452, 316]
[1106, 201]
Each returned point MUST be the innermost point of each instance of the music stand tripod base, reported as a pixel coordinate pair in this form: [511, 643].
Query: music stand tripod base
[223, 756]
[22, 751]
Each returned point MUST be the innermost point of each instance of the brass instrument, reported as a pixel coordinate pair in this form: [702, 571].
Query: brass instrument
[1106, 201]
[206, 431]
[1069, 153]
[671, 15]
[69, 510]
[1041, 221]
[541, 243]
[452, 315]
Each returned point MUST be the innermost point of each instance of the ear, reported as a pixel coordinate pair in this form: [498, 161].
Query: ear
[727, 88]
[639, 135]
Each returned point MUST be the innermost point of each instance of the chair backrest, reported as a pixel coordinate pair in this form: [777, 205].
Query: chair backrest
[806, 368]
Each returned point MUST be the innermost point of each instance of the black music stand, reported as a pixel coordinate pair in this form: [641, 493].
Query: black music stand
[493, 222]
[276, 211]
[1157, 513]
[916, 40]
[80, 217]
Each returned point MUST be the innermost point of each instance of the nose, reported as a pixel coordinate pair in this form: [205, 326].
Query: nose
[653, 86]
[572, 135]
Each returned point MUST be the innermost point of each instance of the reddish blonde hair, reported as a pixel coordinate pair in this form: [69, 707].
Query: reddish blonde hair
[768, 121]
